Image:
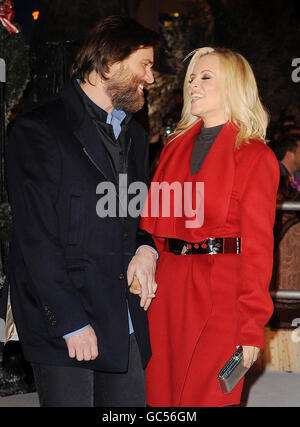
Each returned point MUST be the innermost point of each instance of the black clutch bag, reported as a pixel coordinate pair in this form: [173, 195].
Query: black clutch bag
[232, 371]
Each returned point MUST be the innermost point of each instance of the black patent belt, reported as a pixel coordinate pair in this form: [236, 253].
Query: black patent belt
[218, 245]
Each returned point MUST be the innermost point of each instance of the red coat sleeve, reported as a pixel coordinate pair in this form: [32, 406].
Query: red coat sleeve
[258, 208]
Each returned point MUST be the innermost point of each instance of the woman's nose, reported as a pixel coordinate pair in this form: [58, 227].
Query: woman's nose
[194, 83]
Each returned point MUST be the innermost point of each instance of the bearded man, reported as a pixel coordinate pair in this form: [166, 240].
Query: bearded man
[84, 333]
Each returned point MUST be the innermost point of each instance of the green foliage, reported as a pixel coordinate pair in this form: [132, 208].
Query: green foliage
[5, 221]
[15, 52]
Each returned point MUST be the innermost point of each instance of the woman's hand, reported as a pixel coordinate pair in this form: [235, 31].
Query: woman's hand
[250, 355]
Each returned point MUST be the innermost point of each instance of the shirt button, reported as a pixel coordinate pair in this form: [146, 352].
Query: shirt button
[121, 276]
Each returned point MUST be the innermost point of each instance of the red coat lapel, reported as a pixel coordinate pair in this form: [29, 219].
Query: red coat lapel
[217, 174]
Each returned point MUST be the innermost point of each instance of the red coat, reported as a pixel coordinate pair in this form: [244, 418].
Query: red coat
[208, 304]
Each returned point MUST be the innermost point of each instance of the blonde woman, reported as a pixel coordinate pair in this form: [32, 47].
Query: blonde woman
[212, 276]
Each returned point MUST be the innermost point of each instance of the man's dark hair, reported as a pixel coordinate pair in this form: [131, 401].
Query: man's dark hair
[285, 142]
[111, 40]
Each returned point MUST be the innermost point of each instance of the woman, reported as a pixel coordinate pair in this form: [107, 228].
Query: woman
[212, 275]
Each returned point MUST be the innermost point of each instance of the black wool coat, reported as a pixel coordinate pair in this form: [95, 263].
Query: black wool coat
[67, 265]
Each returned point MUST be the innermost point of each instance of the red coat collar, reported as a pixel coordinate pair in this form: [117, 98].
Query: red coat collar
[217, 174]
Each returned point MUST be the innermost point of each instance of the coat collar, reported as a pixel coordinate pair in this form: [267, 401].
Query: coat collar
[86, 133]
[217, 173]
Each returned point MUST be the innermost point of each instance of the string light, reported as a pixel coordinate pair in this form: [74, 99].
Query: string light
[35, 15]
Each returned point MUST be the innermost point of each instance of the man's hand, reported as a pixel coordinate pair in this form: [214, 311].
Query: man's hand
[250, 355]
[83, 345]
[143, 265]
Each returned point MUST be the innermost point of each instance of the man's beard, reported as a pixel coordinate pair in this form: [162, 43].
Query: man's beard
[123, 91]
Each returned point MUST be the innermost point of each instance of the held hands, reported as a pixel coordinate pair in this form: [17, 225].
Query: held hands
[250, 355]
[141, 276]
[83, 345]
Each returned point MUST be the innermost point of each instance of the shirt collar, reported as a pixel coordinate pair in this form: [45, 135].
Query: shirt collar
[117, 116]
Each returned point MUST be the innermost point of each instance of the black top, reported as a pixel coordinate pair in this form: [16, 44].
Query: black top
[202, 144]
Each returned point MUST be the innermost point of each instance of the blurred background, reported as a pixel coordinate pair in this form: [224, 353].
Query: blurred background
[267, 33]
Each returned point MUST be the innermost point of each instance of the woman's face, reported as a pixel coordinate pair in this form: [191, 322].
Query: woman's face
[206, 92]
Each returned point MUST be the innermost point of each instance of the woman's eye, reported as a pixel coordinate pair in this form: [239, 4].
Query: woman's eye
[205, 77]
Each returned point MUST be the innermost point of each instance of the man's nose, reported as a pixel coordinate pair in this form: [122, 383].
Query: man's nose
[149, 77]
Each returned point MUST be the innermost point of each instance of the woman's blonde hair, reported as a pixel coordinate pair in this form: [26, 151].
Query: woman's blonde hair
[240, 94]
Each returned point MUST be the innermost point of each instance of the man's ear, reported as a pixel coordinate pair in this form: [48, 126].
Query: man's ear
[93, 78]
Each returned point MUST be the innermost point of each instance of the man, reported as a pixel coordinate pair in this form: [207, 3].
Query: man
[287, 226]
[287, 150]
[74, 314]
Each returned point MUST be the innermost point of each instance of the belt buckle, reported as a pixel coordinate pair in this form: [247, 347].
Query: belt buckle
[215, 246]
[185, 250]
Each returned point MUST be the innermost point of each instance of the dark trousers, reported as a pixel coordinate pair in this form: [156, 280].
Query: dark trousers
[79, 387]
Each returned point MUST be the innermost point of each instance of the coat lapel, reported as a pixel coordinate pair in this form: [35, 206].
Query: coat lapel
[132, 165]
[93, 147]
[85, 131]
[217, 173]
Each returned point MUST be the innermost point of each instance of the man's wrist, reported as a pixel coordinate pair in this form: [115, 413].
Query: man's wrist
[75, 332]
[154, 251]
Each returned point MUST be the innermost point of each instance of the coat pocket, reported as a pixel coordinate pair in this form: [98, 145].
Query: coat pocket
[77, 275]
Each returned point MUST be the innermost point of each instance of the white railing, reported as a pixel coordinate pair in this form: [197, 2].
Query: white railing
[2, 71]
[287, 293]
[288, 206]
